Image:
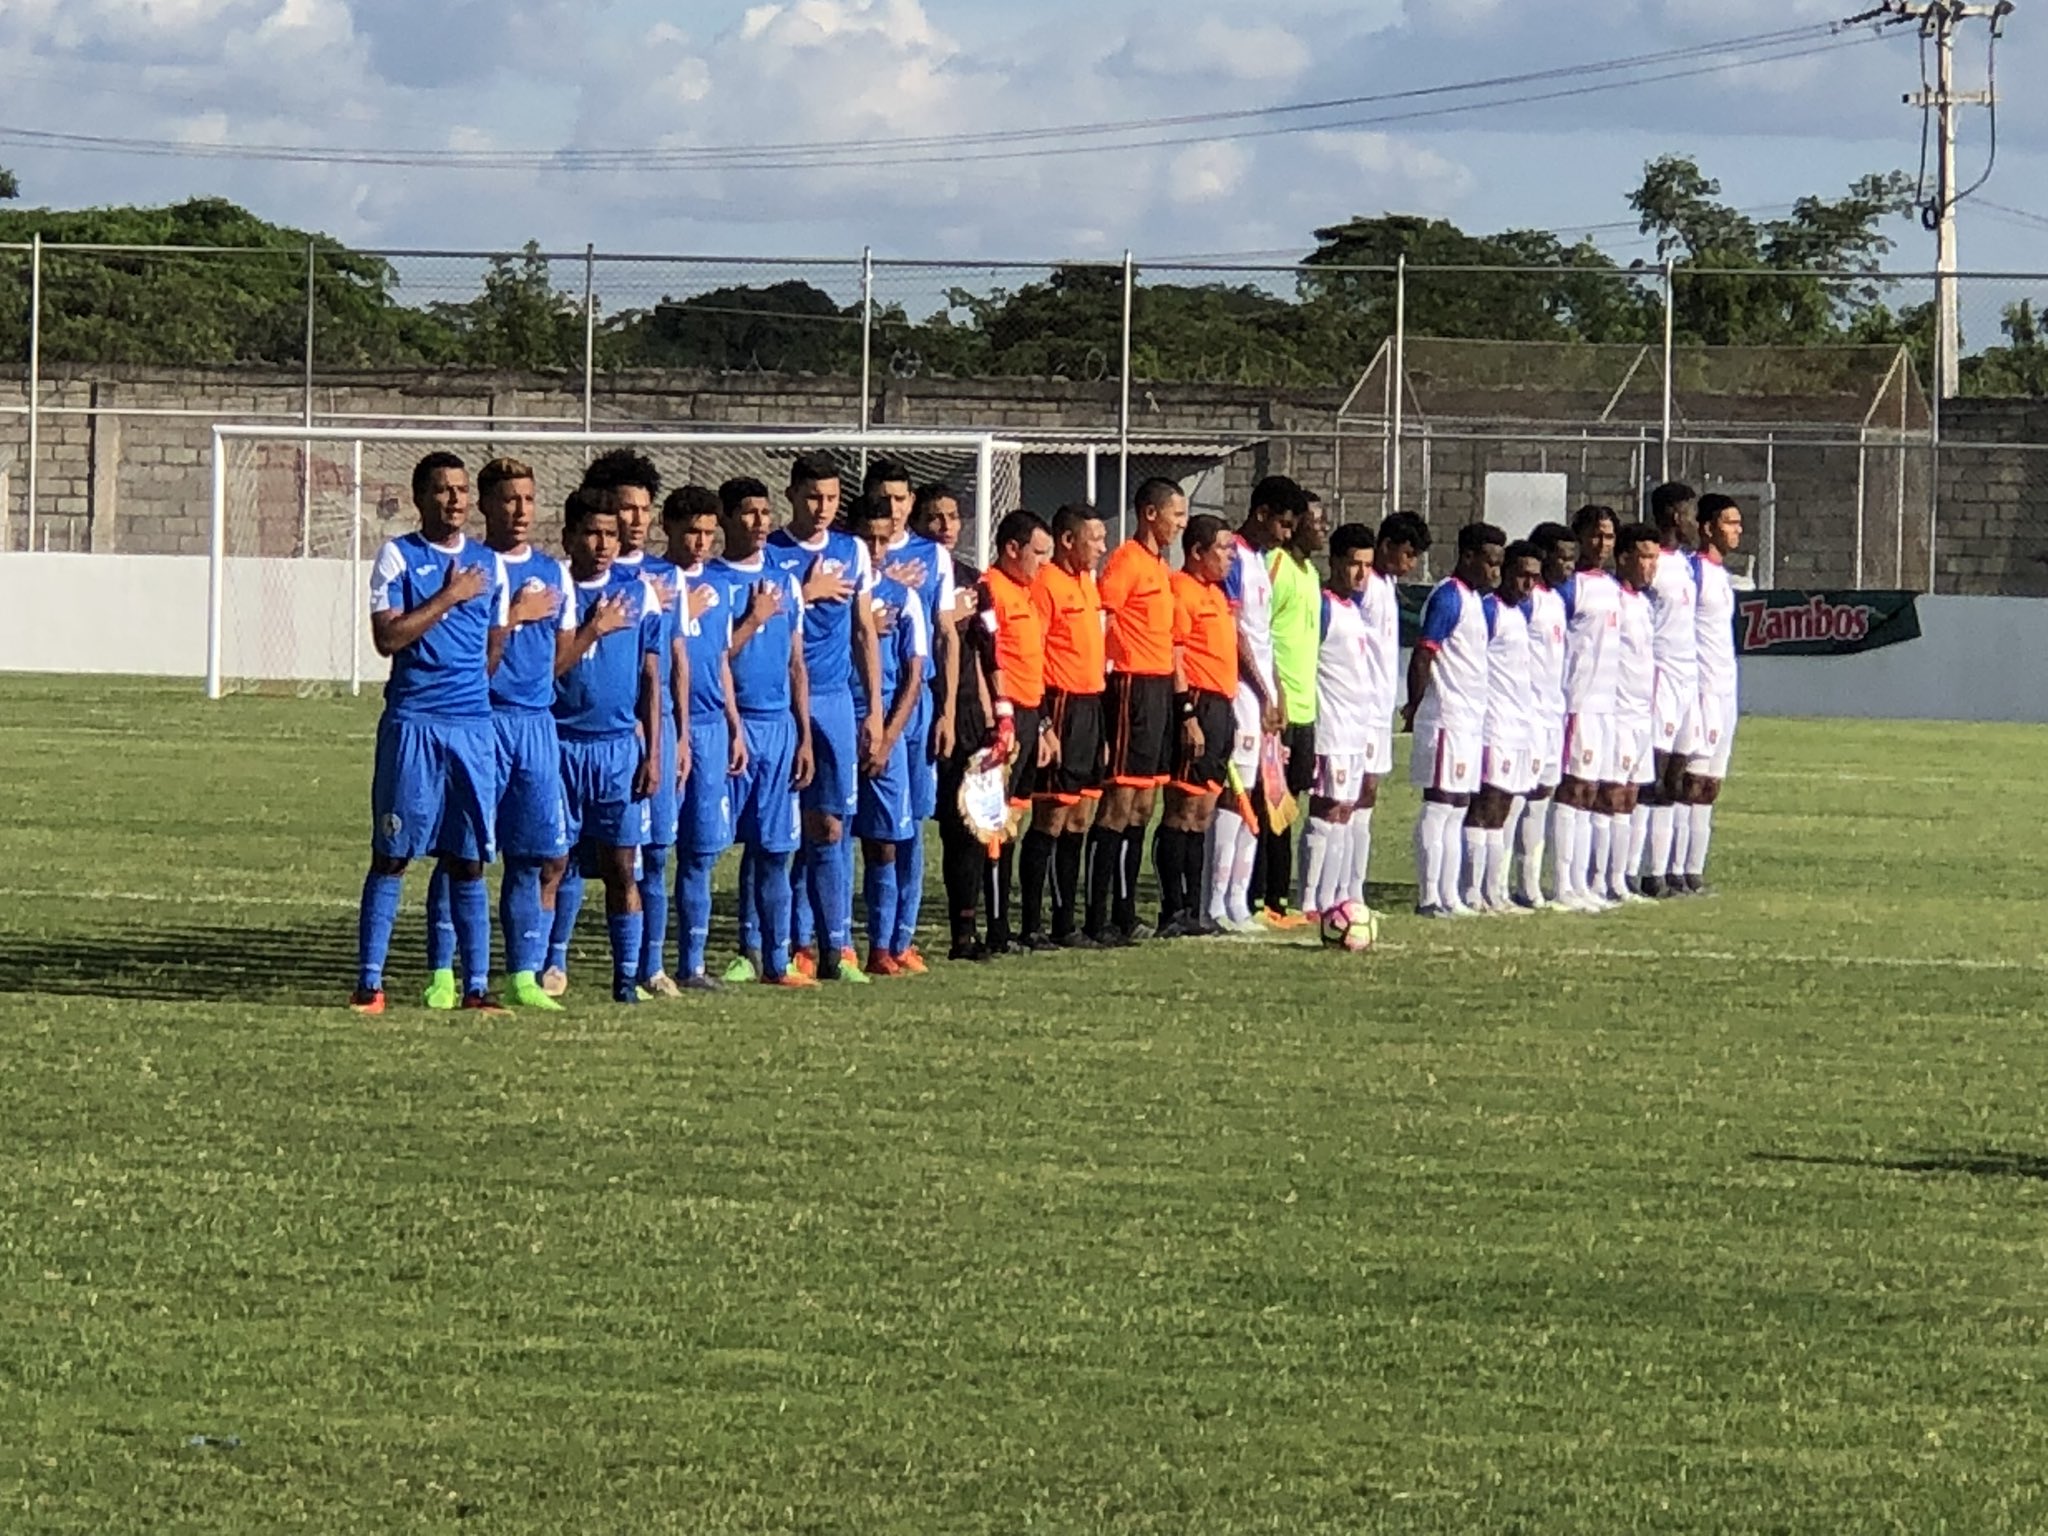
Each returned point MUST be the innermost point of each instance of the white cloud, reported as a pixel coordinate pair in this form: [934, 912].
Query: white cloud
[1202, 173]
[1398, 174]
[1215, 47]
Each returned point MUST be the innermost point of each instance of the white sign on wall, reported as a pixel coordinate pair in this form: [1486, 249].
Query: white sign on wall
[1516, 501]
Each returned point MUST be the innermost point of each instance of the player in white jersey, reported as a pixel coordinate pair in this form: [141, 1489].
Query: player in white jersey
[1720, 534]
[1260, 709]
[1446, 710]
[1581, 815]
[1507, 771]
[1674, 610]
[1547, 620]
[1345, 727]
[1635, 699]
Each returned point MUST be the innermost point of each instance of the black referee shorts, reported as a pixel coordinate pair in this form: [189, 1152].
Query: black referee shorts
[1206, 771]
[1143, 737]
[1300, 742]
[1077, 720]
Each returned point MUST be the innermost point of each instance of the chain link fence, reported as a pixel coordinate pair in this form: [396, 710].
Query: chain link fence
[1436, 388]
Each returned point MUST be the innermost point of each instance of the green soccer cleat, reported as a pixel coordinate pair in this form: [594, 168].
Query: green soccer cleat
[523, 990]
[742, 971]
[442, 993]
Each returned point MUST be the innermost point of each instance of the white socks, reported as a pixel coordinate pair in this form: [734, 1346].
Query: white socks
[1681, 840]
[1599, 845]
[1439, 853]
[1702, 834]
[1663, 829]
[1567, 836]
[1533, 835]
[1638, 839]
[1317, 844]
[1361, 851]
[1622, 852]
[1471, 889]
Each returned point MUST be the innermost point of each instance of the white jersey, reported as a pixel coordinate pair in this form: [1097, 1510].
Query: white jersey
[1592, 658]
[1635, 680]
[1546, 652]
[1674, 617]
[1379, 609]
[1457, 626]
[1716, 629]
[1344, 699]
[1249, 586]
[1510, 699]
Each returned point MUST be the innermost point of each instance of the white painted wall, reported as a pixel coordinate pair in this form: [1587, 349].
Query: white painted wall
[299, 620]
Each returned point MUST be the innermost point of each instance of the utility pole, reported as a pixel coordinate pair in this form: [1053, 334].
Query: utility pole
[1939, 20]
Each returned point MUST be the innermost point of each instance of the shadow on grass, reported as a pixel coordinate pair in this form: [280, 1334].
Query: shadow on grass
[1979, 1162]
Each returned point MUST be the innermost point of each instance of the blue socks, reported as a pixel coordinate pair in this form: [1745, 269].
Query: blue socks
[803, 896]
[440, 923]
[374, 920]
[771, 902]
[520, 916]
[880, 889]
[750, 911]
[471, 904]
[654, 910]
[625, 929]
[568, 903]
[693, 907]
[909, 889]
[832, 895]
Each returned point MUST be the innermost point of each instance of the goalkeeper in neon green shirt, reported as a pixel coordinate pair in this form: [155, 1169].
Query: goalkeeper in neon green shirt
[1297, 638]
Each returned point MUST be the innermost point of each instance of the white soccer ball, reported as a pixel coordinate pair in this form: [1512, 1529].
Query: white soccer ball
[1336, 923]
[1364, 931]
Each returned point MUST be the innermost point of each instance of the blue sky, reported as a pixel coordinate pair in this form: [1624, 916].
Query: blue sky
[543, 74]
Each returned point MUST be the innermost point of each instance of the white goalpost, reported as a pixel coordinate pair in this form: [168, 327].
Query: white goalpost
[298, 514]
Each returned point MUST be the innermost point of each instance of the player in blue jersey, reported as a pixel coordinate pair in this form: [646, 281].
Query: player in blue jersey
[716, 737]
[608, 714]
[919, 563]
[886, 820]
[634, 483]
[838, 636]
[770, 684]
[439, 608]
[531, 826]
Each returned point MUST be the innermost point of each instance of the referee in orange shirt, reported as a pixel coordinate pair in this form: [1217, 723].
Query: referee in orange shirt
[1009, 638]
[1205, 669]
[1137, 705]
[1064, 594]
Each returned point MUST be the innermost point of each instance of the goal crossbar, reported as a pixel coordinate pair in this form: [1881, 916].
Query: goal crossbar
[983, 447]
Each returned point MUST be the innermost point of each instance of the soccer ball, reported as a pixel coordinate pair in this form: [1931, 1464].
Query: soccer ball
[1336, 923]
[1351, 926]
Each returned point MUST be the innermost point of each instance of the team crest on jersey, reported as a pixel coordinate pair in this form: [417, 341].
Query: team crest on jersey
[392, 825]
[1458, 770]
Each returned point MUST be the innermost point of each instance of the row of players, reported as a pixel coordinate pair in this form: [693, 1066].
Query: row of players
[812, 684]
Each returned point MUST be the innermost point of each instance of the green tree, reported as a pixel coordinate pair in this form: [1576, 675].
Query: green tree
[2020, 366]
[9, 186]
[519, 321]
[786, 327]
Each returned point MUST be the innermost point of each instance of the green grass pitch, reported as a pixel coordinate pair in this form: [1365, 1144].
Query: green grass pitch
[1721, 1216]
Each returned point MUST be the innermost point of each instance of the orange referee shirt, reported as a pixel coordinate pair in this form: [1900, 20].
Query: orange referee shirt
[1137, 594]
[1072, 614]
[1019, 635]
[1206, 630]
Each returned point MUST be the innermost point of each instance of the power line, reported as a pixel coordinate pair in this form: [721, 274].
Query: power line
[1030, 143]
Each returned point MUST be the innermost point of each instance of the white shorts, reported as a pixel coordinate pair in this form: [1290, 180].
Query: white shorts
[1508, 766]
[1715, 741]
[1250, 737]
[1589, 748]
[1340, 777]
[1548, 753]
[1379, 749]
[1634, 762]
[1447, 761]
[1675, 713]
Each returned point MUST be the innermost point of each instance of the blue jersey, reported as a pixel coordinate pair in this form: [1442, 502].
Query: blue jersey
[443, 675]
[902, 638]
[600, 695]
[760, 672]
[936, 591]
[706, 640]
[828, 627]
[525, 678]
[628, 569]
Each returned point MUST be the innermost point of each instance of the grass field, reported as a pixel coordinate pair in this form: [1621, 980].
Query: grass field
[1719, 1216]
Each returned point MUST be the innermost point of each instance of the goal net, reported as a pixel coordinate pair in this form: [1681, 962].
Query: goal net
[299, 515]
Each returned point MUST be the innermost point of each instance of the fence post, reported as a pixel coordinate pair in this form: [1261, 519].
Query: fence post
[1400, 403]
[355, 563]
[589, 332]
[306, 447]
[1934, 464]
[1670, 304]
[216, 564]
[35, 380]
[867, 348]
[1123, 410]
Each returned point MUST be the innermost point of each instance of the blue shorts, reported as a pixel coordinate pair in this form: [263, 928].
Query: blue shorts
[597, 791]
[886, 812]
[667, 803]
[924, 768]
[532, 821]
[764, 808]
[705, 822]
[834, 789]
[434, 790]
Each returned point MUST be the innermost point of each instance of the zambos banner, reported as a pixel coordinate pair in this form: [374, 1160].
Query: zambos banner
[1780, 623]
